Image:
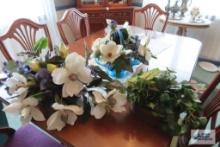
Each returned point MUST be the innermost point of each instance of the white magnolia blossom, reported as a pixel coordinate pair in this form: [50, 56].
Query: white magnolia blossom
[17, 85]
[96, 44]
[114, 100]
[143, 49]
[73, 76]
[27, 109]
[64, 115]
[110, 51]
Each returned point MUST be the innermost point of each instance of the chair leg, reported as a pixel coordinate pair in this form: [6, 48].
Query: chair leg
[7, 131]
[183, 141]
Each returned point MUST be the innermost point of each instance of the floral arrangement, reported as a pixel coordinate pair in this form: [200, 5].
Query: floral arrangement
[61, 86]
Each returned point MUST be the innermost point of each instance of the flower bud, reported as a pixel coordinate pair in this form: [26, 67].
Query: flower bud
[51, 67]
[34, 65]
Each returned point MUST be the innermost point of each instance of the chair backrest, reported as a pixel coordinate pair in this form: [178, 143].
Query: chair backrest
[214, 106]
[4, 51]
[210, 88]
[77, 22]
[211, 111]
[24, 32]
[151, 14]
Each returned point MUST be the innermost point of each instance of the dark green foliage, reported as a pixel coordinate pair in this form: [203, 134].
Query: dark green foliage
[40, 44]
[96, 70]
[55, 60]
[167, 99]
[122, 63]
[119, 36]
[11, 66]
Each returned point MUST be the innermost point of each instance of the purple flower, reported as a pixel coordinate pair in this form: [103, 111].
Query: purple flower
[44, 77]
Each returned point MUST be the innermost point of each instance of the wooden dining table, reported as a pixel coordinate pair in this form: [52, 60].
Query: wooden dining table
[131, 129]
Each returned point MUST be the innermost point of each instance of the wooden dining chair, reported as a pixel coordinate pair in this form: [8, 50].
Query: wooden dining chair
[211, 87]
[24, 32]
[211, 111]
[152, 13]
[211, 100]
[28, 136]
[77, 22]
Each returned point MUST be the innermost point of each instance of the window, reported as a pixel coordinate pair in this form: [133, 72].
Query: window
[11, 10]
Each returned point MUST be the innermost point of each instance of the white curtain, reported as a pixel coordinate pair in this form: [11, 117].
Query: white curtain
[40, 11]
[51, 19]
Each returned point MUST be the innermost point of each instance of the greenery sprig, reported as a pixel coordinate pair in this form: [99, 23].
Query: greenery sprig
[174, 103]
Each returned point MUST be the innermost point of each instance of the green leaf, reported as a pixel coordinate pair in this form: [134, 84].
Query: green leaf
[158, 91]
[115, 85]
[203, 121]
[11, 66]
[184, 129]
[145, 76]
[88, 52]
[100, 72]
[164, 97]
[180, 121]
[151, 105]
[122, 63]
[42, 43]
[40, 95]
[55, 60]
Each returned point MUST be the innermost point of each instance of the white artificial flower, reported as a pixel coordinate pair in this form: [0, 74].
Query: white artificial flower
[119, 100]
[114, 100]
[43, 54]
[182, 116]
[73, 76]
[143, 49]
[17, 85]
[65, 114]
[108, 21]
[96, 44]
[126, 25]
[27, 109]
[110, 51]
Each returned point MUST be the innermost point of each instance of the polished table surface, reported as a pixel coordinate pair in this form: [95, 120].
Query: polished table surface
[177, 53]
[131, 129]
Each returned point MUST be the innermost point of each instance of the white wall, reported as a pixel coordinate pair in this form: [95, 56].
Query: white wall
[59, 3]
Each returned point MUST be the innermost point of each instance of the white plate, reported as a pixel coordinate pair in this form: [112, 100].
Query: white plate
[208, 66]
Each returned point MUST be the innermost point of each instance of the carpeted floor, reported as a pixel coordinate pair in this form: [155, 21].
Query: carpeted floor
[203, 76]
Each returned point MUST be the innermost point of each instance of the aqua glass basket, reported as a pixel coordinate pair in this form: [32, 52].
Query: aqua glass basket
[111, 71]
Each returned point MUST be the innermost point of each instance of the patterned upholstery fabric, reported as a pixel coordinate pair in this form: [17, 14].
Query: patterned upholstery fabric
[29, 136]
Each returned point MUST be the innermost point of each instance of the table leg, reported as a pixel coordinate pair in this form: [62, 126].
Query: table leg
[181, 31]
